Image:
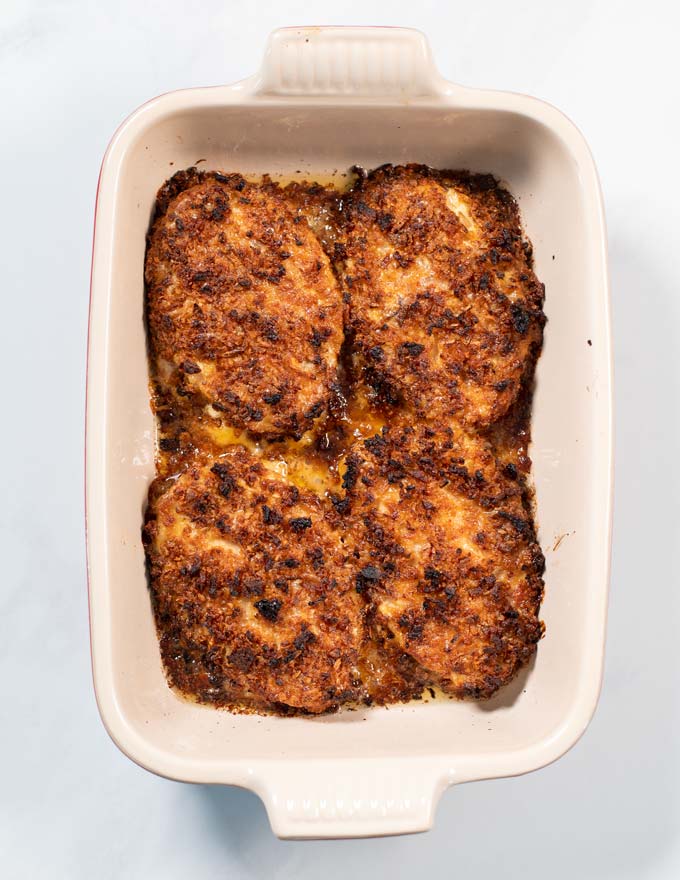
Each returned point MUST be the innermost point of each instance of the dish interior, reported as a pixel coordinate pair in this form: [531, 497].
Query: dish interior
[567, 430]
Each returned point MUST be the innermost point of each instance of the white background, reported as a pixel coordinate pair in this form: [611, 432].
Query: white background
[71, 806]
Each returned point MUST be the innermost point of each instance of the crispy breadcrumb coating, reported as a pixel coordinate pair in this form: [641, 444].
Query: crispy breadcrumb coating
[343, 511]
[445, 310]
[244, 313]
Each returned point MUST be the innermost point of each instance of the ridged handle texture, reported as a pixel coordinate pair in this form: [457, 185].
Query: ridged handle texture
[348, 61]
[323, 802]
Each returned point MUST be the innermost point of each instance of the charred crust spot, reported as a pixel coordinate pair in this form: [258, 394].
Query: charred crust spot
[253, 586]
[300, 523]
[368, 576]
[319, 336]
[506, 239]
[395, 471]
[413, 627]
[306, 637]
[220, 209]
[272, 398]
[227, 483]
[189, 367]
[315, 410]
[269, 331]
[192, 569]
[316, 557]
[520, 318]
[243, 659]
[413, 348]
[269, 608]
[433, 575]
[384, 220]
[270, 516]
[401, 260]
[510, 471]
[341, 505]
[521, 525]
[376, 445]
[362, 208]
[351, 474]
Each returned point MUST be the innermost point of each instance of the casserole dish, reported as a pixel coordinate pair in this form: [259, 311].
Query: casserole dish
[325, 99]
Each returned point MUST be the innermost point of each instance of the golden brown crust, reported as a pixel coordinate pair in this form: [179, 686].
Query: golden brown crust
[450, 557]
[445, 310]
[254, 589]
[360, 562]
[243, 307]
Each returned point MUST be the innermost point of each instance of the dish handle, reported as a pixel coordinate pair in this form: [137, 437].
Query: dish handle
[370, 62]
[361, 799]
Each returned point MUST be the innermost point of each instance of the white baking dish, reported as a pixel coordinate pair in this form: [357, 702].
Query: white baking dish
[324, 99]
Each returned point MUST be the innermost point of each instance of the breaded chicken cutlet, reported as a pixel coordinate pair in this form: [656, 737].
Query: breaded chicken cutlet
[253, 588]
[451, 562]
[359, 526]
[445, 310]
[244, 313]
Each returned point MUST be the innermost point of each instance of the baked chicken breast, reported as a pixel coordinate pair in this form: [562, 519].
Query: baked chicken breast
[244, 311]
[253, 588]
[451, 564]
[342, 382]
[445, 310]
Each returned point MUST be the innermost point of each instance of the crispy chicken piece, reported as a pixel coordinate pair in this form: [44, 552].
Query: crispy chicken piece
[445, 310]
[254, 589]
[274, 587]
[451, 561]
[245, 315]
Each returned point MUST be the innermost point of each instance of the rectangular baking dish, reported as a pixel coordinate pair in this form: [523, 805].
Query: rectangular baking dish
[324, 99]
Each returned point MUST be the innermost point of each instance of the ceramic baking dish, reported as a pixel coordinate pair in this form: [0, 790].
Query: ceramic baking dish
[324, 99]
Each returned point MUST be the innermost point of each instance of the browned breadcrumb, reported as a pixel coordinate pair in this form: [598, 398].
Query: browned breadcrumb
[243, 307]
[452, 564]
[343, 512]
[253, 587]
[445, 310]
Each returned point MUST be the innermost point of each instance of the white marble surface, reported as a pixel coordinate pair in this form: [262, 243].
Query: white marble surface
[71, 806]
